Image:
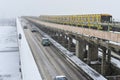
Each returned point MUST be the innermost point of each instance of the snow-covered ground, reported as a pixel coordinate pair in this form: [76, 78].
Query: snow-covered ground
[9, 54]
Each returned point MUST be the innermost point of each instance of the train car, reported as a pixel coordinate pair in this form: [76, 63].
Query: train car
[88, 20]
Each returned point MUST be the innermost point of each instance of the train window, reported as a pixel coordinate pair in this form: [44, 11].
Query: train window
[86, 18]
[106, 18]
[110, 19]
[80, 18]
[95, 19]
[90, 19]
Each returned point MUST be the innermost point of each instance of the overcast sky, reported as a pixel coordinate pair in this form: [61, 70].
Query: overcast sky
[14, 8]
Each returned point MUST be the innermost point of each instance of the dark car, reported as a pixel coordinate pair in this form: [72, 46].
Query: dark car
[20, 36]
[34, 30]
[45, 42]
[25, 27]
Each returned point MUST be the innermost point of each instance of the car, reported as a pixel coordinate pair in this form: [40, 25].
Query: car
[20, 36]
[25, 27]
[60, 78]
[34, 30]
[45, 41]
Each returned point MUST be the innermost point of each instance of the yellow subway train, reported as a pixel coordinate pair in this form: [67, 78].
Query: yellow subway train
[88, 20]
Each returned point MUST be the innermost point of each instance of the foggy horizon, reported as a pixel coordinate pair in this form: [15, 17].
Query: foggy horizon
[15, 8]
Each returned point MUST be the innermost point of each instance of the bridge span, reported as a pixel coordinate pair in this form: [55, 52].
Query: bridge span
[111, 36]
[96, 36]
[89, 44]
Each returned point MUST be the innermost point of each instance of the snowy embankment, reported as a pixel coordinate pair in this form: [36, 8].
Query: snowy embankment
[75, 60]
[28, 66]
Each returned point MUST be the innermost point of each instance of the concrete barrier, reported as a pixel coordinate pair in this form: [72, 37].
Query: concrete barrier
[28, 66]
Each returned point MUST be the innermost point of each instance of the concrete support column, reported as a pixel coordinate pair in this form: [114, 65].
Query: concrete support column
[69, 43]
[64, 40]
[80, 49]
[103, 63]
[50, 33]
[109, 56]
[92, 53]
[55, 35]
[77, 48]
[60, 38]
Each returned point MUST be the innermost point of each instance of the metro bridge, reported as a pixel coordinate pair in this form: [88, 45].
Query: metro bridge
[91, 54]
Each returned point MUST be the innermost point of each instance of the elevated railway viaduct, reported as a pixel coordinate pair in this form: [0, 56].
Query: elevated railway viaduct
[88, 46]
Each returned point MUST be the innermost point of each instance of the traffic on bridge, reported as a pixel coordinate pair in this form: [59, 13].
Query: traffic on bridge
[59, 40]
[95, 47]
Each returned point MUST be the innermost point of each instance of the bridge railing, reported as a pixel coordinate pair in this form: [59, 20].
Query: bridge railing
[28, 66]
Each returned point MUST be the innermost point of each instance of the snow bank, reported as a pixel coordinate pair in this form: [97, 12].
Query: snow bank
[28, 65]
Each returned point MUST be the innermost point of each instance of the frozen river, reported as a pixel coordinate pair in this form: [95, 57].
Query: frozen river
[9, 54]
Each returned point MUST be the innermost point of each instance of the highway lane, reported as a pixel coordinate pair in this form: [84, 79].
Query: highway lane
[50, 63]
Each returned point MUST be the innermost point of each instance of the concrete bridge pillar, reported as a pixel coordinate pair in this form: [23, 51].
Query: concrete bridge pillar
[109, 56]
[54, 35]
[60, 38]
[64, 40]
[50, 33]
[80, 48]
[70, 45]
[103, 62]
[92, 54]
[77, 48]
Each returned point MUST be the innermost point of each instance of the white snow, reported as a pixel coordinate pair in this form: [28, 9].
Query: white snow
[9, 68]
[114, 61]
[9, 54]
[115, 43]
[28, 65]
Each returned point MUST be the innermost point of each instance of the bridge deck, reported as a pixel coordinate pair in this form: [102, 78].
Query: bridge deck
[84, 31]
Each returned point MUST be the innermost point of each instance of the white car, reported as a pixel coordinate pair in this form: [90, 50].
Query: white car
[60, 78]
